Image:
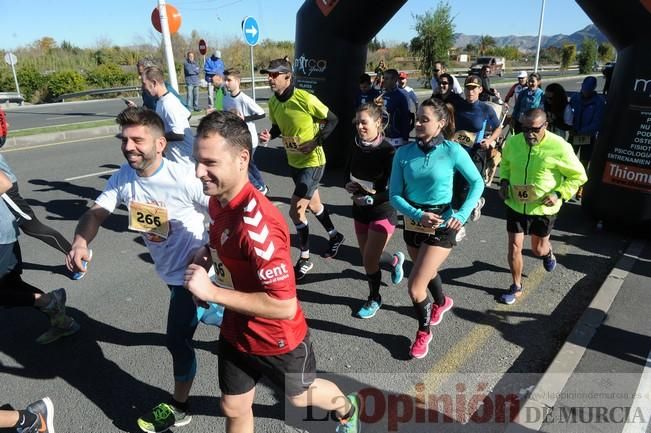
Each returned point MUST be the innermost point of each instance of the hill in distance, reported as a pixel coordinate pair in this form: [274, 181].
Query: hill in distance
[528, 43]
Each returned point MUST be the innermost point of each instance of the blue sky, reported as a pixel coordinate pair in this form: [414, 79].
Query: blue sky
[123, 22]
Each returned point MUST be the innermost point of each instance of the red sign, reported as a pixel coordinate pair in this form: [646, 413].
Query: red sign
[326, 6]
[202, 47]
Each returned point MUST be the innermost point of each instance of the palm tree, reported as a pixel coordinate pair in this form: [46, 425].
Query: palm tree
[486, 42]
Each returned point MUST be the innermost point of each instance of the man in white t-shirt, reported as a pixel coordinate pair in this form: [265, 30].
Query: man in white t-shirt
[244, 106]
[176, 117]
[166, 205]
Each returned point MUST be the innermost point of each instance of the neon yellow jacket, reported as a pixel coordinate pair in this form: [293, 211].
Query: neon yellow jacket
[549, 166]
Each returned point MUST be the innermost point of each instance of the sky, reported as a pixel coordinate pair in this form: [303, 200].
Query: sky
[89, 23]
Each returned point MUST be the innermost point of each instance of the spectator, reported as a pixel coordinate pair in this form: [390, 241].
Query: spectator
[191, 72]
[412, 99]
[214, 66]
[437, 72]
[558, 110]
[395, 102]
[515, 89]
[444, 89]
[366, 93]
[487, 92]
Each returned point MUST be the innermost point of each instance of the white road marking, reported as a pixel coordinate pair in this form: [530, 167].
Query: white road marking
[642, 402]
[91, 175]
[57, 117]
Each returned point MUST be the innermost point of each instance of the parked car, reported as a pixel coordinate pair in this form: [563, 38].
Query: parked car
[497, 65]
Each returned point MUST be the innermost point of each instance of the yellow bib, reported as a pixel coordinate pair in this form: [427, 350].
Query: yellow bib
[415, 226]
[149, 218]
[524, 193]
[222, 274]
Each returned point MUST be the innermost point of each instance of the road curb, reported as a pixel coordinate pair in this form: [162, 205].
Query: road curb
[61, 136]
[550, 386]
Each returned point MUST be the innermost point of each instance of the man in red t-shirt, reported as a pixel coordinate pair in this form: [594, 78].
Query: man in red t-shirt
[264, 332]
[4, 127]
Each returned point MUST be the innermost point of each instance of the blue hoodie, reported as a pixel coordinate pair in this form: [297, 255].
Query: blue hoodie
[214, 66]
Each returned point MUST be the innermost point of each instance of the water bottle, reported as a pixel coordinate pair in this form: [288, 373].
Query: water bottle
[213, 315]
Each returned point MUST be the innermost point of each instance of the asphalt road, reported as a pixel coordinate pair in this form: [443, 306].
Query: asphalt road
[35, 116]
[117, 367]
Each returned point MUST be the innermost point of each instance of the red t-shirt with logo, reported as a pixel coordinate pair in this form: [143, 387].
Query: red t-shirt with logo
[249, 242]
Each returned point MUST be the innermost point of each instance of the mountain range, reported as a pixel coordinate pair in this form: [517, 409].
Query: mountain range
[528, 43]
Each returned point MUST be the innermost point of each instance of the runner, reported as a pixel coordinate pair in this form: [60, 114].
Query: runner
[244, 106]
[264, 332]
[162, 197]
[539, 170]
[375, 219]
[421, 189]
[27, 220]
[14, 292]
[304, 123]
[473, 119]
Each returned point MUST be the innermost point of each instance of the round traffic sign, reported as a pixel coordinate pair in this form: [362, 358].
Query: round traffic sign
[251, 30]
[203, 48]
[11, 59]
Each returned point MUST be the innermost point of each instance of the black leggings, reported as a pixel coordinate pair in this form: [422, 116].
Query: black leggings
[34, 227]
[460, 185]
[14, 291]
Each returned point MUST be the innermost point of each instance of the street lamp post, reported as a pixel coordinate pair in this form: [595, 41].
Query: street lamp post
[540, 29]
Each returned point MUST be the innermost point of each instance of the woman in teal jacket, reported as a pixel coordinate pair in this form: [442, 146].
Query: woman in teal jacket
[528, 99]
[421, 189]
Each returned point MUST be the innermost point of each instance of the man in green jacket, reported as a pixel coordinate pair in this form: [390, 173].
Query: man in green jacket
[539, 170]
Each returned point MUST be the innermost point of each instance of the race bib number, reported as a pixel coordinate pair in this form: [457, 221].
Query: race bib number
[292, 144]
[465, 138]
[149, 218]
[581, 140]
[222, 274]
[524, 193]
[415, 226]
[366, 185]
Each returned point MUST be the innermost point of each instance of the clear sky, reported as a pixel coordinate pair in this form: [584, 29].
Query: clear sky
[124, 22]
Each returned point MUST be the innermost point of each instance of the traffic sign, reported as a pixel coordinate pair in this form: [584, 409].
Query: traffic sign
[11, 59]
[202, 47]
[251, 31]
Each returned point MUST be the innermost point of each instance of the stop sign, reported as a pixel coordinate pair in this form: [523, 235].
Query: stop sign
[202, 47]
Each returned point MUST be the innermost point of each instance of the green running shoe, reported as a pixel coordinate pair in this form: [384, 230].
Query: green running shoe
[162, 417]
[351, 424]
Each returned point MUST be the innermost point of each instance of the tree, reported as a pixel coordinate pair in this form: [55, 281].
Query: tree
[471, 49]
[568, 56]
[606, 52]
[46, 43]
[588, 56]
[485, 43]
[435, 37]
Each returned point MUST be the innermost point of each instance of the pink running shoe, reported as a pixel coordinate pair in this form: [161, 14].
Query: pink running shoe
[421, 345]
[437, 311]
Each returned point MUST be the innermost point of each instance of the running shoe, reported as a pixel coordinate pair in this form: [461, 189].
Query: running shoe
[78, 275]
[333, 245]
[351, 424]
[369, 309]
[264, 190]
[302, 267]
[461, 234]
[63, 327]
[397, 273]
[56, 308]
[44, 411]
[162, 417]
[439, 310]
[512, 295]
[549, 261]
[421, 344]
[476, 212]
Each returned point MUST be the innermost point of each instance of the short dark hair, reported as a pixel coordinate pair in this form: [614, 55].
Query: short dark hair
[141, 116]
[229, 126]
[233, 73]
[365, 78]
[392, 72]
[536, 113]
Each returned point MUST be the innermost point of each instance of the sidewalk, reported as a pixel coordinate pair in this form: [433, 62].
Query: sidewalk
[600, 381]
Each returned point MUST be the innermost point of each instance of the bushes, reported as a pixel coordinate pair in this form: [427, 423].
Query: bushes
[106, 76]
[61, 82]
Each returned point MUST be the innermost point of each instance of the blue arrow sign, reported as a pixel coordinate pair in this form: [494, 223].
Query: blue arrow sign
[251, 31]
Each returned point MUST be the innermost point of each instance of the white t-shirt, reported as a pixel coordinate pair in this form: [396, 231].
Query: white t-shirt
[175, 118]
[246, 106]
[174, 187]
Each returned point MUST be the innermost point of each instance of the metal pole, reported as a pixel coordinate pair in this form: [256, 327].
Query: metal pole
[167, 45]
[13, 69]
[252, 73]
[540, 29]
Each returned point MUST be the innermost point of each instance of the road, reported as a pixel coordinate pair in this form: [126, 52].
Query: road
[34, 116]
[117, 367]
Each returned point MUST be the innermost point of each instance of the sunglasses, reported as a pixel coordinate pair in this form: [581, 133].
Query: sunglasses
[444, 83]
[274, 74]
[435, 70]
[535, 130]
